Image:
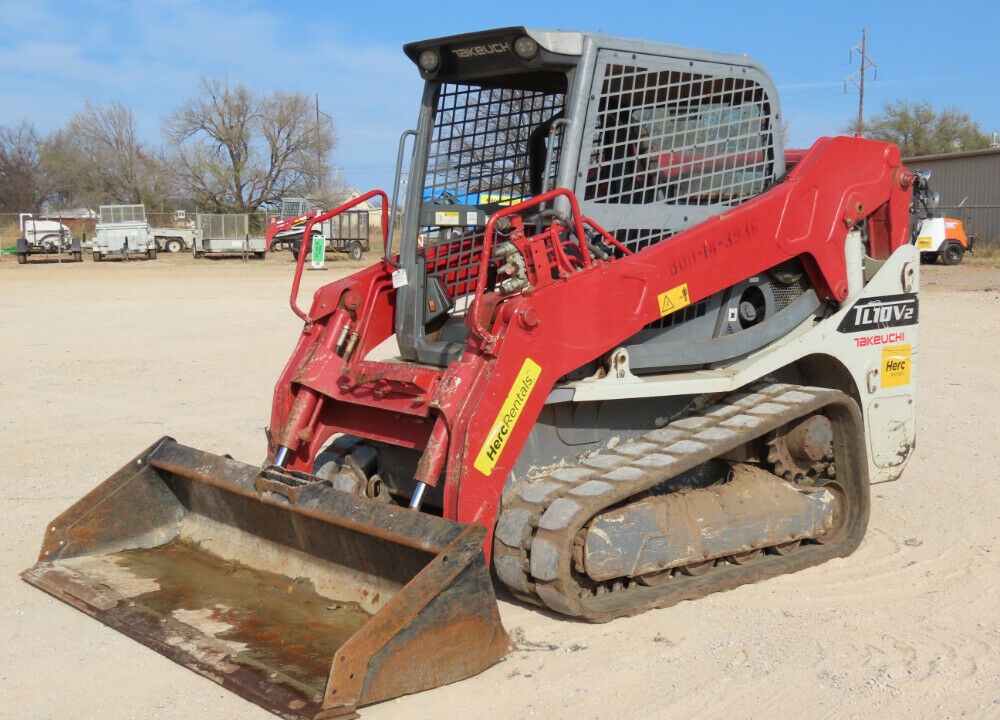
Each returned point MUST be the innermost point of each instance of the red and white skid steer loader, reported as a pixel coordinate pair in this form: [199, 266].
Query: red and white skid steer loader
[634, 360]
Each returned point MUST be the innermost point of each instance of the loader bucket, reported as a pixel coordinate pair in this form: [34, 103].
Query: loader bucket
[305, 600]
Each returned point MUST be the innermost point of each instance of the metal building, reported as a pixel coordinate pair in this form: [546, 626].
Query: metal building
[973, 176]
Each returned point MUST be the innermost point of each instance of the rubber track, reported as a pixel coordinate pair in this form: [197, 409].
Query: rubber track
[542, 517]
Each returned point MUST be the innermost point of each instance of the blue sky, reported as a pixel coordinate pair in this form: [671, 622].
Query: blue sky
[150, 54]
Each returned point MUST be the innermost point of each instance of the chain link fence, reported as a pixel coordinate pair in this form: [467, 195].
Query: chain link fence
[257, 224]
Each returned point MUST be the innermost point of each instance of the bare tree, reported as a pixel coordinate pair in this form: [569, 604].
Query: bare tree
[99, 158]
[236, 149]
[919, 130]
[21, 176]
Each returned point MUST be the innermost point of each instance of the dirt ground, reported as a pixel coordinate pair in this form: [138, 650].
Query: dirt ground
[98, 361]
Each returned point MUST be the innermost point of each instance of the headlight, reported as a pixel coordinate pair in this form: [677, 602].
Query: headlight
[428, 60]
[525, 47]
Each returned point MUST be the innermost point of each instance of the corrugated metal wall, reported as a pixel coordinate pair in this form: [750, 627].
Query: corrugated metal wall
[972, 175]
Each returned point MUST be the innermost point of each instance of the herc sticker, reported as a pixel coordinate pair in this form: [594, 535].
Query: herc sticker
[673, 300]
[503, 426]
[896, 366]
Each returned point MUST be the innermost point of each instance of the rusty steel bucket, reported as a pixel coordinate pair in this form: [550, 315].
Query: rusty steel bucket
[305, 600]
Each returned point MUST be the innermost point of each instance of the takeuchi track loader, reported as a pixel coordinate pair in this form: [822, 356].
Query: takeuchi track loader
[629, 353]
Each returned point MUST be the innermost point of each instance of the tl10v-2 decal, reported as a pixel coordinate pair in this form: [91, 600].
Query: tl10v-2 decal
[879, 313]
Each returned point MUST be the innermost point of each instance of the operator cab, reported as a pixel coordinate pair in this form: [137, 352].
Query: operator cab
[650, 138]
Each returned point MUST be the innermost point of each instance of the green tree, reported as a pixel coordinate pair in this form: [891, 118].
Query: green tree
[235, 149]
[919, 130]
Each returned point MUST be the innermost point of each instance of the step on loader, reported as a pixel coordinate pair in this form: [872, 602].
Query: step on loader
[629, 352]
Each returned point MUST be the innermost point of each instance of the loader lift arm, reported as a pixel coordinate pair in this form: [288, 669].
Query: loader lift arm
[818, 199]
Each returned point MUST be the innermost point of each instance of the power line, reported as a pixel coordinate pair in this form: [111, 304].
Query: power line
[866, 62]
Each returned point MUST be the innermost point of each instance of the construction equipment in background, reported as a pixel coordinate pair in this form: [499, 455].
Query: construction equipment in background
[123, 233]
[936, 237]
[943, 238]
[285, 229]
[638, 362]
[226, 234]
[346, 233]
[46, 237]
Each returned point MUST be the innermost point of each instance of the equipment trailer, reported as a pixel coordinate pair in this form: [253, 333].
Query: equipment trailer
[285, 229]
[46, 237]
[345, 233]
[226, 234]
[173, 239]
[646, 364]
[123, 233]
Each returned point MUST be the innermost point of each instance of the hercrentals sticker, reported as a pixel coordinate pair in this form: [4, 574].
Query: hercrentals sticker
[896, 365]
[510, 412]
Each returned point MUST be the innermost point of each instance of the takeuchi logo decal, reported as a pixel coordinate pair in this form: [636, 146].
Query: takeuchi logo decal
[880, 313]
[472, 51]
[888, 338]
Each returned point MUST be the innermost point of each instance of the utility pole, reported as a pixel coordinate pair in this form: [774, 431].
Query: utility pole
[866, 62]
[319, 151]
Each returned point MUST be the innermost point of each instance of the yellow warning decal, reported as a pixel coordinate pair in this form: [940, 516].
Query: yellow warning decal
[925, 242]
[896, 365]
[509, 414]
[442, 217]
[673, 300]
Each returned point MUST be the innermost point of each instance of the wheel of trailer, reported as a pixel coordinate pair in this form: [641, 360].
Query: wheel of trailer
[78, 256]
[151, 253]
[952, 254]
[22, 258]
[174, 245]
[356, 251]
[295, 255]
[97, 257]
